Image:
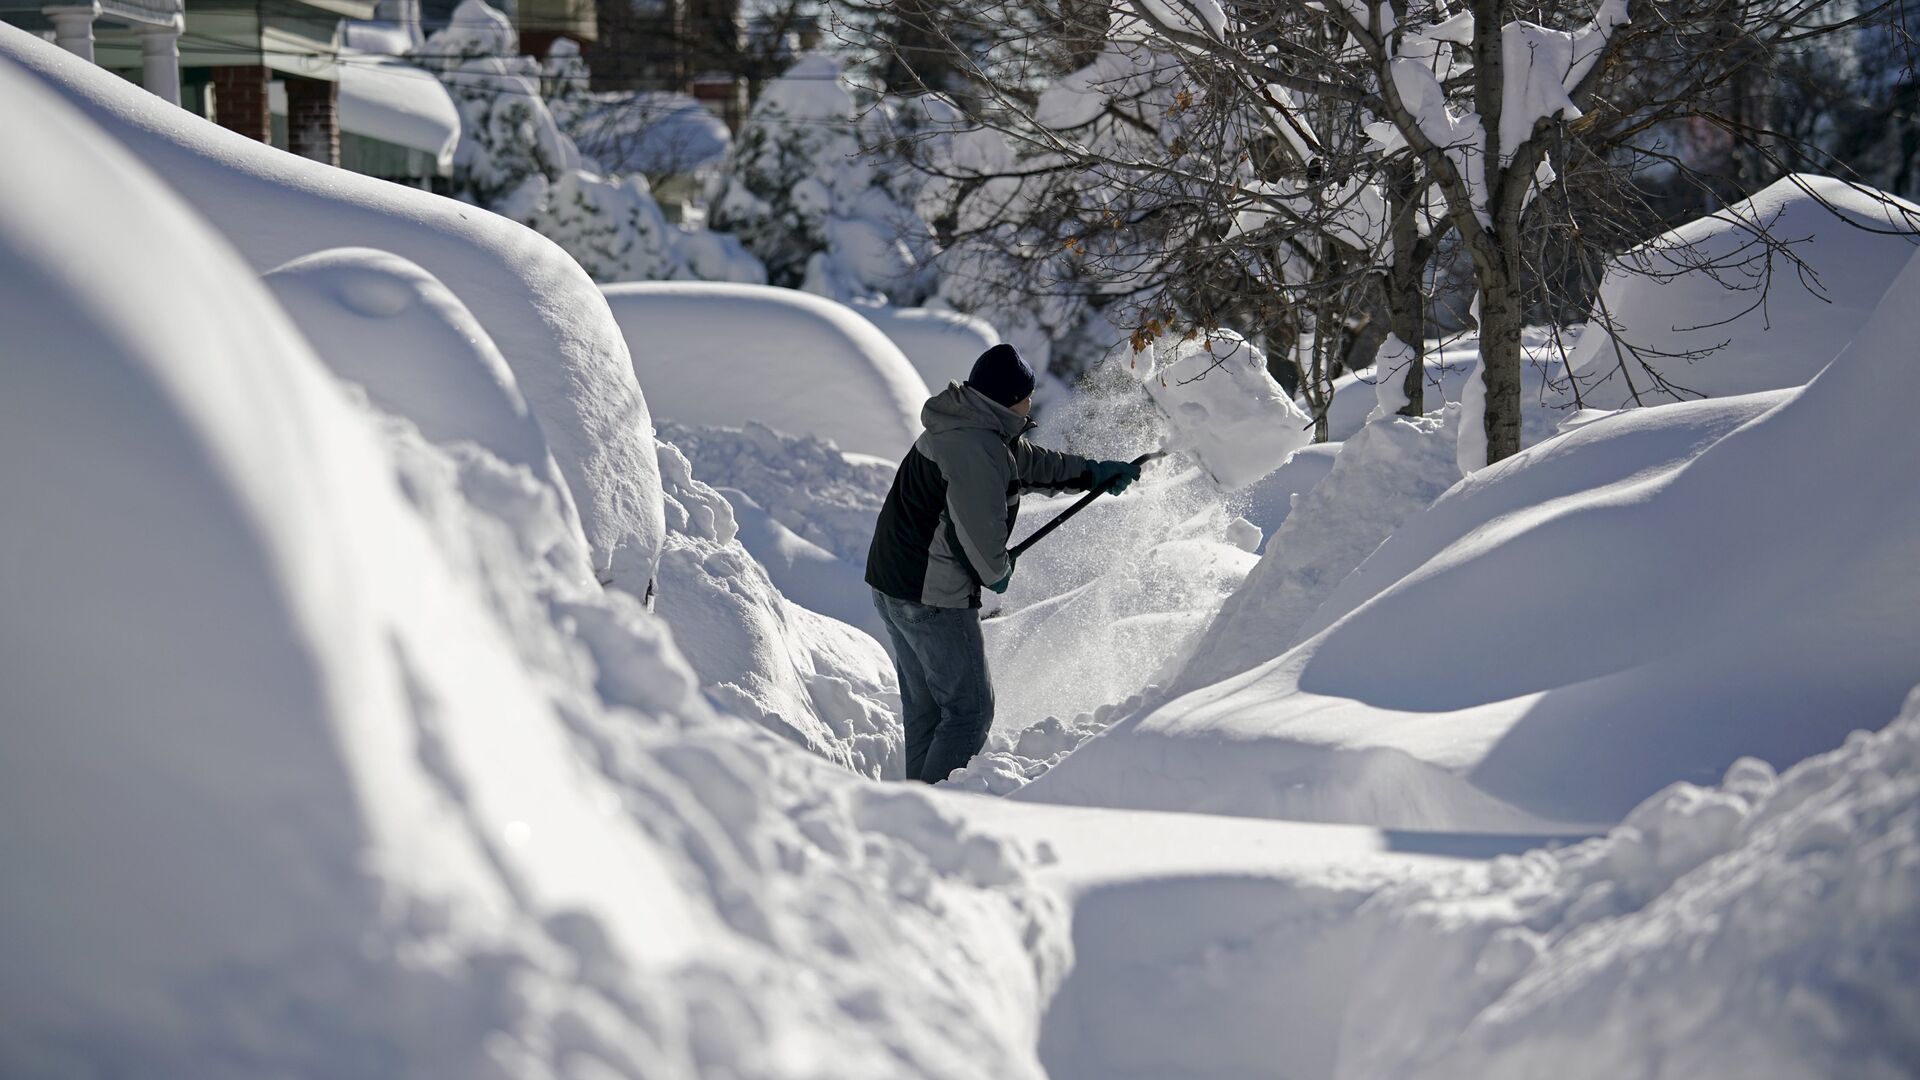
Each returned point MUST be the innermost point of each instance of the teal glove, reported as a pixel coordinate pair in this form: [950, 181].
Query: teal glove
[1001, 585]
[1122, 473]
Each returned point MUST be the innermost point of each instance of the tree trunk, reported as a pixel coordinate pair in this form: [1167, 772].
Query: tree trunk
[1406, 302]
[1502, 315]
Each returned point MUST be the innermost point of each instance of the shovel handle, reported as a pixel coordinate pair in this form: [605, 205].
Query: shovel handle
[1083, 502]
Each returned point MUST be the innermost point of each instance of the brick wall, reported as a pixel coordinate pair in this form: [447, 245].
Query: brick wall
[313, 119]
[240, 101]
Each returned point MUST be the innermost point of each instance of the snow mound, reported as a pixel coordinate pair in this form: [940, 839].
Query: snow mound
[941, 344]
[1013, 759]
[807, 485]
[722, 354]
[1714, 309]
[359, 778]
[1602, 659]
[811, 679]
[1393, 469]
[805, 572]
[1269, 501]
[387, 325]
[1760, 927]
[534, 301]
[804, 511]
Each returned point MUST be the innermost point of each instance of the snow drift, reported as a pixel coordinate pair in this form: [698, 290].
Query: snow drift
[942, 345]
[534, 301]
[1759, 927]
[388, 326]
[1605, 659]
[721, 354]
[1758, 296]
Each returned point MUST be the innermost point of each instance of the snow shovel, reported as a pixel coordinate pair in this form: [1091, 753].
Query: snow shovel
[1084, 501]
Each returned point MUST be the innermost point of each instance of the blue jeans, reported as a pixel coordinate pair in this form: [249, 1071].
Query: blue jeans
[946, 695]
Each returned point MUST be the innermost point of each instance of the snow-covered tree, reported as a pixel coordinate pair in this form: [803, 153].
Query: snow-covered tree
[800, 195]
[1312, 147]
[515, 159]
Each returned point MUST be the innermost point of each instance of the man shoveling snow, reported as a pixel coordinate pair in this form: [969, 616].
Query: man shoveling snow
[943, 533]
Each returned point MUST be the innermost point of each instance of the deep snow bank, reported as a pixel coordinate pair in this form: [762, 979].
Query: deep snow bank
[1758, 296]
[716, 354]
[1391, 470]
[803, 510]
[538, 306]
[1643, 599]
[941, 344]
[807, 485]
[390, 327]
[817, 681]
[1761, 927]
[319, 760]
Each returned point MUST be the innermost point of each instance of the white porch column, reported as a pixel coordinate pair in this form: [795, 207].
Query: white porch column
[73, 27]
[160, 60]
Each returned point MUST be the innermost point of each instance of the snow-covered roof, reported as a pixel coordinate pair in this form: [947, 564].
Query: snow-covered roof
[396, 102]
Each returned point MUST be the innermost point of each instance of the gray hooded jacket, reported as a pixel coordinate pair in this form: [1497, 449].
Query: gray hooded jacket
[943, 531]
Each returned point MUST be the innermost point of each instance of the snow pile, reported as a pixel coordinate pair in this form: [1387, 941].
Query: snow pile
[1605, 659]
[387, 325]
[1269, 501]
[1014, 758]
[941, 344]
[1761, 927]
[811, 679]
[721, 355]
[804, 511]
[1759, 296]
[1222, 405]
[566, 352]
[407, 794]
[810, 487]
[1389, 472]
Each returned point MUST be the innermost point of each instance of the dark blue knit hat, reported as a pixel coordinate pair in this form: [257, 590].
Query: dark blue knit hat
[1002, 374]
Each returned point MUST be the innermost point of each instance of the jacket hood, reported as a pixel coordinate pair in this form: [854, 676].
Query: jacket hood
[961, 406]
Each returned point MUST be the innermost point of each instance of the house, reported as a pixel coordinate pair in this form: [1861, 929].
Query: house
[138, 38]
[695, 47]
[273, 70]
